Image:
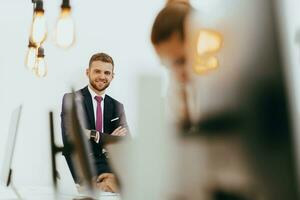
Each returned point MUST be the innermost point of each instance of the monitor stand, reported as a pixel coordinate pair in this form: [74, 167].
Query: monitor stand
[10, 183]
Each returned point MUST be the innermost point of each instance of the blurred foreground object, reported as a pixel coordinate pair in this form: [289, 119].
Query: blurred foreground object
[240, 143]
[78, 147]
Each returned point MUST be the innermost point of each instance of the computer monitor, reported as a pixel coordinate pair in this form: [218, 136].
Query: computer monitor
[10, 146]
[78, 147]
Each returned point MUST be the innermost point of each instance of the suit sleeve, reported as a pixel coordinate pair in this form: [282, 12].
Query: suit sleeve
[123, 121]
[105, 138]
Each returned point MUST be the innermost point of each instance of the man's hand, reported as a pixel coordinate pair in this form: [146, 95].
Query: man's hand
[107, 182]
[119, 131]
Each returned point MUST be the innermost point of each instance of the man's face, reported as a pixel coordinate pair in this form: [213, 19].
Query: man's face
[100, 75]
[173, 55]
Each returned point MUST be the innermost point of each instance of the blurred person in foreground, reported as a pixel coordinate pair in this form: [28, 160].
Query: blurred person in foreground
[240, 145]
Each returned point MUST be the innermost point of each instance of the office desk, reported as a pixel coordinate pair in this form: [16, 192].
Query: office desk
[47, 193]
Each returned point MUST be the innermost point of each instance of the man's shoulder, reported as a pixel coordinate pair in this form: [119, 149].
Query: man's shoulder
[78, 95]
[78, 92]
[113, 100]
[71, 94]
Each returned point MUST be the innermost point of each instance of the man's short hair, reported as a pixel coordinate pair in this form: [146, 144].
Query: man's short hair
[170, 20]
[102, 57]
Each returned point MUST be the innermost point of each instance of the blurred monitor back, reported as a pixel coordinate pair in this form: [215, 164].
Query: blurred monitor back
[79, 145]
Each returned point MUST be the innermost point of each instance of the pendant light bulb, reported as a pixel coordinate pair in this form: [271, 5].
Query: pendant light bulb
[65, 28]
[31, 56]
[39, 28]
[41, 69]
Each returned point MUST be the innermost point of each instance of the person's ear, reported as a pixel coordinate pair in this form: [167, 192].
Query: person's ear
[87, 71]
[113, 75]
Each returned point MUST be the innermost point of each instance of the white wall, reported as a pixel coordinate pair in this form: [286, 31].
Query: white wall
[120, 28]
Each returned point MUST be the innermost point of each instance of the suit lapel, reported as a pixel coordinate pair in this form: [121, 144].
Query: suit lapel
[88, 103]
[108, 107]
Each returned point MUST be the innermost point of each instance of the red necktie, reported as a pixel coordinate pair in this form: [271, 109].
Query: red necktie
[99, 114]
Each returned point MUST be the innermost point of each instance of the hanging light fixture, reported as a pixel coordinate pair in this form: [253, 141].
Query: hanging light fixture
[65, 28]
[31, 56]
[39, 28]
[40, 67]
[208, 44]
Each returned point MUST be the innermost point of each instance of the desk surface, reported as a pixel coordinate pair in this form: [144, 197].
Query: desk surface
[47, 193]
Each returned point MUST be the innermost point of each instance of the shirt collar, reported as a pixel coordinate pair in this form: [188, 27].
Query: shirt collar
[93, 94]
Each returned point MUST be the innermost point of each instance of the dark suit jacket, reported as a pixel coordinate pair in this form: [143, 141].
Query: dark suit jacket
[113, 110]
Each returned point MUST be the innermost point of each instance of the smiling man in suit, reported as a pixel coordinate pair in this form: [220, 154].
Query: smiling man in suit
[103, 115]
